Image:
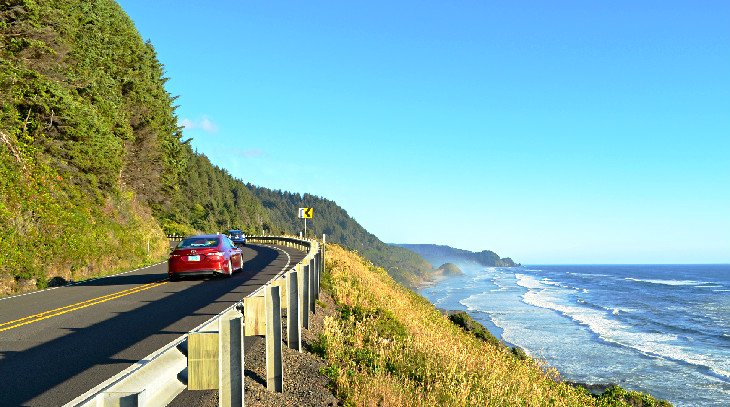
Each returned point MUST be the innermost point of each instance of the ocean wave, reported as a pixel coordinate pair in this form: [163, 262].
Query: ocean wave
[587, 274]
[472, 302]
[601, 323]
[709, 286]
[721, 291]
[528, 282]
[666, 282]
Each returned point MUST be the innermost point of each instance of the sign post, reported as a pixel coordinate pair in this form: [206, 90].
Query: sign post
[306, 213]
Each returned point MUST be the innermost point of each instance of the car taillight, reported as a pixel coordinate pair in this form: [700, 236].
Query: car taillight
[214, 255]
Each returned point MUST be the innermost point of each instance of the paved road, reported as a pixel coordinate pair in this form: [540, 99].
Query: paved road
[57, 344]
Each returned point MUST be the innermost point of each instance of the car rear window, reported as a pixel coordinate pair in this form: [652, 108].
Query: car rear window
[194, 242]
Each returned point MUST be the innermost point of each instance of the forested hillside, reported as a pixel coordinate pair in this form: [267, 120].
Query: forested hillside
[329, 218]
[89, 140]
[91, 161]
[438, 254]
[93, 166]
[93, 170]
[210, 199]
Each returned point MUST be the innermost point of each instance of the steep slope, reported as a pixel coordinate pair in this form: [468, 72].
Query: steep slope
[87, 141]
[93, 170]
[329, 218]
[210, 199]
[91, 161]
[382, 342]
[438, 254]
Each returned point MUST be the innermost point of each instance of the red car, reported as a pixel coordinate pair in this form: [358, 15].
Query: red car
[204, 255]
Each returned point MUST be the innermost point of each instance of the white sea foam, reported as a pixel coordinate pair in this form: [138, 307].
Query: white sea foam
[550, 282]
[601, 323]
[666, 282]
[709, 286]
[472, 302]
[587, 274]
[528, 281]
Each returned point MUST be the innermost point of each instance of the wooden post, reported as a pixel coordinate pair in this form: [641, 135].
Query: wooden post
[294, 313]
[230, 345]
[203, 361]
[254, 312]
[305, 296]
[274, 366]
[312, 282]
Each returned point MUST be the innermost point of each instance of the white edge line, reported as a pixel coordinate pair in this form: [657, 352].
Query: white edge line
[117, 378]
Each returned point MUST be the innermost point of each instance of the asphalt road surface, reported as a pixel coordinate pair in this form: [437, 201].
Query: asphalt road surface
[59, 343]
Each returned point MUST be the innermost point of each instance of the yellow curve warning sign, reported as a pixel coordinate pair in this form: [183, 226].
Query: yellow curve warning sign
[306, 213]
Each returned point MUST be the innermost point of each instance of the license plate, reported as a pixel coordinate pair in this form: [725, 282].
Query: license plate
[194, 258]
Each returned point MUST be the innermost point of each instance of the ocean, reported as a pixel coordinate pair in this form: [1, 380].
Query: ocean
[660, 329]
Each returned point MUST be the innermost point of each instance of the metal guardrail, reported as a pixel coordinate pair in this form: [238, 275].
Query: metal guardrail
[161, 376]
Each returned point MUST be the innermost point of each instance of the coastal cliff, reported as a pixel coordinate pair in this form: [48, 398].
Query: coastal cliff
[437, 254]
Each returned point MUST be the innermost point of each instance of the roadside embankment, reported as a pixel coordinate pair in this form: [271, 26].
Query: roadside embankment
[387, 345]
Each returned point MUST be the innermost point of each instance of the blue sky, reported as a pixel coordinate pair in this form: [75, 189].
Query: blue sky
[548, 131]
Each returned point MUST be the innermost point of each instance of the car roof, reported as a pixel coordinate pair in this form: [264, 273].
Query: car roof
[234, 230]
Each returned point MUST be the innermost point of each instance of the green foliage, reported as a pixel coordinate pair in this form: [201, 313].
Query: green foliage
[329, 218]
[467, 323]
[450, 269]
[209, 199]
[319, 346]
[616, 396]
[519, 353]
[86, 129]
[90, 149]
[381, 321]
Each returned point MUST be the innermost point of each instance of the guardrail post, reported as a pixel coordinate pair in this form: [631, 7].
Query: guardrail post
[305, 296]
[294, 312]
[312, 283]
[274, 367]
[318, 259]
[230, 372]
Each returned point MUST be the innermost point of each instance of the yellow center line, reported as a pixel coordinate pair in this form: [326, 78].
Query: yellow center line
[79, 305]
[74, 305]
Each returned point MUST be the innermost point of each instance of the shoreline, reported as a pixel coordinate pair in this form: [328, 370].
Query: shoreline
[596, 389]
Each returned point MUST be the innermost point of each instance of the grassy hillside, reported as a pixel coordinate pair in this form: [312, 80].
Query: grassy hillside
[92, 168]
[82, 111]
[329, 218]
[389, 346]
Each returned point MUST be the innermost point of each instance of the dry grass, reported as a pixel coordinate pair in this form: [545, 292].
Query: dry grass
[391, 347]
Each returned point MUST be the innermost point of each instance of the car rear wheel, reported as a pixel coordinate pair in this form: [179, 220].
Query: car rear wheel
[174, 277]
